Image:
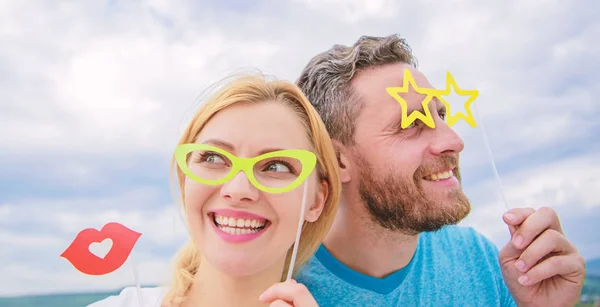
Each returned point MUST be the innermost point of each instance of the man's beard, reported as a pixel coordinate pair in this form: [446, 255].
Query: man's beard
[401, 205]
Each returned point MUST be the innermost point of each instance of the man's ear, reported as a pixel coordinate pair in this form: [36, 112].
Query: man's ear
[318, 205]
[342, 157]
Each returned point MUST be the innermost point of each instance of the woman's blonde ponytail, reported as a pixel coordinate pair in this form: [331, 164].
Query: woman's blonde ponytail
[186, 264]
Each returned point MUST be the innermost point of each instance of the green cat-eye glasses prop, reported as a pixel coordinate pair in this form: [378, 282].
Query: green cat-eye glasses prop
[211, 165]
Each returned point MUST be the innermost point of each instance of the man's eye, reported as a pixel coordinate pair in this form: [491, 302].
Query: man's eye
[412, 125]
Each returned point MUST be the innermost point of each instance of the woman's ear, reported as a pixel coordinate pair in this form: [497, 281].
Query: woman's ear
[318, 205]
[341, 154]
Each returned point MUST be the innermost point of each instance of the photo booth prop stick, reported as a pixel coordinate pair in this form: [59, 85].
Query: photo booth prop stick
[491, 157]
[427, 118]
[298, 232]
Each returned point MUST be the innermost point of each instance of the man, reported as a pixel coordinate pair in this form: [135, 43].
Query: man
[394, 241]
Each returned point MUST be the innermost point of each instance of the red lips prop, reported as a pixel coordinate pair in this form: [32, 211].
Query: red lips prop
[79, 255]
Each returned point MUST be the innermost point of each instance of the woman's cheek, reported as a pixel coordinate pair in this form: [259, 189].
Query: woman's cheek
[290, 214]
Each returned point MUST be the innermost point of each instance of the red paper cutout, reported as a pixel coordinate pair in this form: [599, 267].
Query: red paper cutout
[79, 255]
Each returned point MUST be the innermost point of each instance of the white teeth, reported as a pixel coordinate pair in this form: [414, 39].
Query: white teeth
[237, 231]
[237, 226]
[240, 223]
[440, 176]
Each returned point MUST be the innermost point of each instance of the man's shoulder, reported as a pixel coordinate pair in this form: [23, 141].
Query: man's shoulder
[133, 297]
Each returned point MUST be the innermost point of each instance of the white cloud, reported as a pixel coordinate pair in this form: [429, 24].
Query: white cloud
[24, 241]
[528, 68]
[117, 91]
[5, 212]
[32, 244]
[570, 182]
[159, 225]
[354, 11]
[568, 186]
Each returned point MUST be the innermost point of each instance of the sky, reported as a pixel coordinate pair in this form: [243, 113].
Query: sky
[94, 96]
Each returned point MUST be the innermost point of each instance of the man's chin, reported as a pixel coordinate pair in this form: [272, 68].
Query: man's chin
[453, 213]
[446, 213]
[433, 224]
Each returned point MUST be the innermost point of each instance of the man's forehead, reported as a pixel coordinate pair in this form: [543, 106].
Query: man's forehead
[371, 84]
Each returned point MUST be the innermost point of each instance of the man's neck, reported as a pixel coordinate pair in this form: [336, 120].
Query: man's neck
[358, 242]
[212, 287]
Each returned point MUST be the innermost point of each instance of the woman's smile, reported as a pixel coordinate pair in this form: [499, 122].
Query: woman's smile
[238, 226]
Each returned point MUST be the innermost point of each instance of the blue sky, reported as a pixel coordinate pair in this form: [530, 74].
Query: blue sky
[93, 97]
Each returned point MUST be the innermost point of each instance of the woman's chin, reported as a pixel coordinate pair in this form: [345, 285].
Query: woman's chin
[239, 265]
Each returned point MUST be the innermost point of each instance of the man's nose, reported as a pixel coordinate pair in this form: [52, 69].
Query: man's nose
[445, 140]
[239, 189]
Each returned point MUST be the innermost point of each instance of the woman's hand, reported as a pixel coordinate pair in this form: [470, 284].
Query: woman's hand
[288, 294]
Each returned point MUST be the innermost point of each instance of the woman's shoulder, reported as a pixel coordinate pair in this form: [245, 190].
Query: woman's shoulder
[134, 297]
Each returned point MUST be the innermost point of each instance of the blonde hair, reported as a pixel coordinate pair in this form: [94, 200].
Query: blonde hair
[256, 89]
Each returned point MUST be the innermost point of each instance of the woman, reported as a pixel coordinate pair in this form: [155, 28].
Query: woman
[250, 158]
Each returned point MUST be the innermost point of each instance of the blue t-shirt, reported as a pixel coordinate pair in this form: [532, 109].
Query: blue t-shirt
[455, 266]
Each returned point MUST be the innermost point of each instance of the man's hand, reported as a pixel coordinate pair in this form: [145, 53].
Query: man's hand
[540, 266]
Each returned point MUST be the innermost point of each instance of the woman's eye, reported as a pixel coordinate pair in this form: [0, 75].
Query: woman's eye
[278, 168]
[214, 159]
[211, 158]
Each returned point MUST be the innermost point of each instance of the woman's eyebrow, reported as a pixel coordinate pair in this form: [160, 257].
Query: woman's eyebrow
[229, 147]
[219, 143]
[267, 150]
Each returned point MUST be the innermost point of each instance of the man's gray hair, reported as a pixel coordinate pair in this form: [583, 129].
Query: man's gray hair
[326, 79]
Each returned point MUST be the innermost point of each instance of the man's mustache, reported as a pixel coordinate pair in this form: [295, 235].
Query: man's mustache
[443, 163]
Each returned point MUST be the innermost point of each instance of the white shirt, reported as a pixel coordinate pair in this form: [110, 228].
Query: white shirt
[128, 297]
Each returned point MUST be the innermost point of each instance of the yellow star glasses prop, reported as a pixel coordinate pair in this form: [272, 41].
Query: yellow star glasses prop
[273, 172]
[426, 118]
